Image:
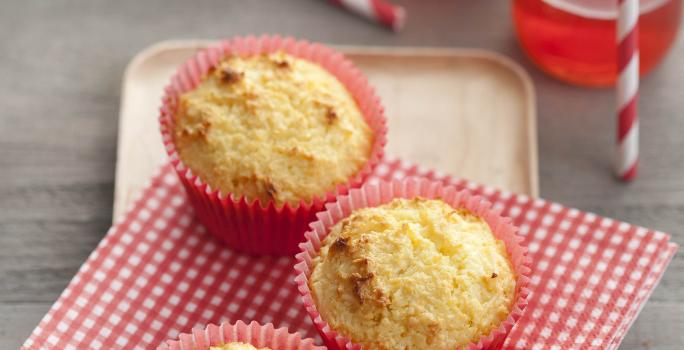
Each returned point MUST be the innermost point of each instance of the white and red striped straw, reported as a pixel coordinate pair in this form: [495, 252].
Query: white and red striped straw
[627, 34]
[379, 11]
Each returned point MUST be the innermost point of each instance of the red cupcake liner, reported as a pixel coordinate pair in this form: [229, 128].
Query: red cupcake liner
[371, 195]
[253, 333]
[250, 225]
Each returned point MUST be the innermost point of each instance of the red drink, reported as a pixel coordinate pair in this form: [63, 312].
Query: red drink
[574, 40]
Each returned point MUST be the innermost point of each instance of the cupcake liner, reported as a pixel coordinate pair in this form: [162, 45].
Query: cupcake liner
[253, 333]
[250, 225]
[375, 194]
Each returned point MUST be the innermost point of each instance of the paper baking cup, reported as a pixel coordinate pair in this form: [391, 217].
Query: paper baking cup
[252, 226]
[371, 195]
[253, 333]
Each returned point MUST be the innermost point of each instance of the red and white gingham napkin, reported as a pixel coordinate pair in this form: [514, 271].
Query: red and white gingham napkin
[157, 273]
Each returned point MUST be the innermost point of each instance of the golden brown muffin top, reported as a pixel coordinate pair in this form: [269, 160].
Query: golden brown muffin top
[412, 274]
[272, 127]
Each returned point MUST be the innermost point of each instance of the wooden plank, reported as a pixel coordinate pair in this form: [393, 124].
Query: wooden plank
[39, 258]
[658, 327]
[17, 321]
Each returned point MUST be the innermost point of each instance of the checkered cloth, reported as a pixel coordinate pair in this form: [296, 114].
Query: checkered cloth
[157, 273]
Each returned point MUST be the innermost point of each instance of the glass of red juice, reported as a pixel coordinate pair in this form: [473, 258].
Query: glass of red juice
[574, 40]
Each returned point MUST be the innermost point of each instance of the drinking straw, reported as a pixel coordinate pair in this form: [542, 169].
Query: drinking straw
[627, 35]
[379, 11]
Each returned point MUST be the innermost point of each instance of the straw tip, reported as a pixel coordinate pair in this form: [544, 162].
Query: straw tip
[630, 174]
[400, 18]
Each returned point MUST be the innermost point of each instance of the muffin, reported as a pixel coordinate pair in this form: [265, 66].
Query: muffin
[272, 127]
[236, 346]
[417, 265]
[240, 336]
[264, 131]
[413, 271]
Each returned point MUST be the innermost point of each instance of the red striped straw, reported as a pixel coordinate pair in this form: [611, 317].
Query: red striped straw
[379, 11]
[627, 34]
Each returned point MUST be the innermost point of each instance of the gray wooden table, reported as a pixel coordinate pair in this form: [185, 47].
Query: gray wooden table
[61, 64]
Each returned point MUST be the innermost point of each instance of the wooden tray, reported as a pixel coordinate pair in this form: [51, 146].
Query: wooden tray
[465, 112]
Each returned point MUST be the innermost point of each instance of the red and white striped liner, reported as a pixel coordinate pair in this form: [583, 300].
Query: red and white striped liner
[158, 272]
[627, 34]
[253, 333]
[380, 11]
[374, 194]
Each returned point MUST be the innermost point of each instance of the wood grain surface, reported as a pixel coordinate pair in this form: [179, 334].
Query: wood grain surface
[438, 104]
[61, 64]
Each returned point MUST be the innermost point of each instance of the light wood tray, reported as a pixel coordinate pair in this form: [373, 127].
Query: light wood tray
[469, 113]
